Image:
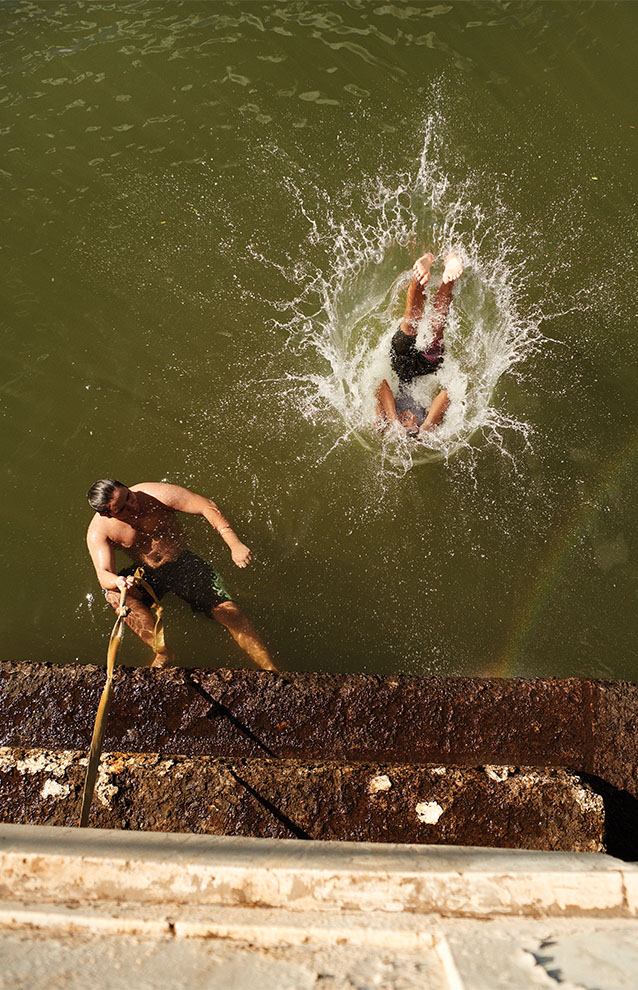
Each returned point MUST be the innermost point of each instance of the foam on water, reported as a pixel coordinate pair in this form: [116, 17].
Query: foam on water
[353, 299]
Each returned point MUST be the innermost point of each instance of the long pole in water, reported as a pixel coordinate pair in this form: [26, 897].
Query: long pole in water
[102, 712]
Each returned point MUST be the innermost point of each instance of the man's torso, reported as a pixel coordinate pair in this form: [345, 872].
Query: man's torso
[154, 537]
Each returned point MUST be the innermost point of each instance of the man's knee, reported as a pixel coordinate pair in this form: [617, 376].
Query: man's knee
[227, 612]
[113, 598]
[133, 599]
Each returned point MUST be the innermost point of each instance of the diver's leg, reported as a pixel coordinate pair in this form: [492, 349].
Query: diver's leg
[244, 633]
[415, 299]
[141, 620]
[440, 309]
[386, 406]
[435, 412]
[443, 297]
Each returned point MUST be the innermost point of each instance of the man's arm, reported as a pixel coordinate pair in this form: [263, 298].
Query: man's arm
[435, 412]
[104, 560]
[183, 500]
[386, 405]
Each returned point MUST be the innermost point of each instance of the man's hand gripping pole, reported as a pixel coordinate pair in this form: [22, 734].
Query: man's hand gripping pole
[115, 642]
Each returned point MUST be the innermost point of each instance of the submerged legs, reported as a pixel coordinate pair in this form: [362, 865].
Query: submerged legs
[244, 633]
[142, 621]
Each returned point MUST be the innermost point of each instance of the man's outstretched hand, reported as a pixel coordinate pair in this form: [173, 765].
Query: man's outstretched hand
[241, 555]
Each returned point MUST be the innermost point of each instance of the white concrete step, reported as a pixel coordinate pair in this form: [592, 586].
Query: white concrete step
[55, 865]
[115, 910]
[258, 926]
[150, 947]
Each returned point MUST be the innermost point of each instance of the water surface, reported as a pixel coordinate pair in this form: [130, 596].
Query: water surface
[207, 211]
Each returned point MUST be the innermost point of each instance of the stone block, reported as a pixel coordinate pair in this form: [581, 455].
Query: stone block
[508, 807]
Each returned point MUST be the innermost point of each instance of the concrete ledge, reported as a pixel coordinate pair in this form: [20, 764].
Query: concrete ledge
[585, 725]
[56, 866]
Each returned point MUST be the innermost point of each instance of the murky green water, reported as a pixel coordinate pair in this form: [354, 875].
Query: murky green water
[204, 207]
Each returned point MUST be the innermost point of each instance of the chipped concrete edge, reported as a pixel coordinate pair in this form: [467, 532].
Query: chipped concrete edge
[101, 867]
[254, 925]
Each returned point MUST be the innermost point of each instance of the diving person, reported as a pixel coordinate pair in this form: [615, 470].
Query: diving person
[142, 520]
[402, 411]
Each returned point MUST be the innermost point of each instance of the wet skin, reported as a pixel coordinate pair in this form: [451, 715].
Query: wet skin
[142, 521]
[406, 423]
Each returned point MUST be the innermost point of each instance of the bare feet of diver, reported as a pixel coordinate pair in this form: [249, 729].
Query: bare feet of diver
[421, 268]
[453, 268]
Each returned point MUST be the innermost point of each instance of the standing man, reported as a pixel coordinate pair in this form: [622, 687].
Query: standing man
[143, 521]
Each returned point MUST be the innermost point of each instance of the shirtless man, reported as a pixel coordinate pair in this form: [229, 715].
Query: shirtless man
[143, 521]
[409, 363]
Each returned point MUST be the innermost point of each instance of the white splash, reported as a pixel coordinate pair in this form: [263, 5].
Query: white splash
[352, 301]
[86, 605]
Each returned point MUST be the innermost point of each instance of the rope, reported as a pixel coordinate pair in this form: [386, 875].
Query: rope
[159, 643]
[115, 642]
[103, 709]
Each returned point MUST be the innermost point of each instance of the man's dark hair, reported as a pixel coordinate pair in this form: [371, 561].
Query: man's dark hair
[101, 493]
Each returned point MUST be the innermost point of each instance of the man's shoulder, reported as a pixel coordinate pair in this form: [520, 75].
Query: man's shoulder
[97, 529]
[155, 488]
[162, 495]
[147, 486]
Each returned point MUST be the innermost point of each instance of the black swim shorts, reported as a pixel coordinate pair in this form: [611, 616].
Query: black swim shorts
[408, 362]
[189, 577]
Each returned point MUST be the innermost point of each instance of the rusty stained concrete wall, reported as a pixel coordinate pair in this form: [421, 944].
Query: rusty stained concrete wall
[587, 726]
[513, 807]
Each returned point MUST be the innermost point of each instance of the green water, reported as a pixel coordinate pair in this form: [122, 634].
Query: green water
[193, 210]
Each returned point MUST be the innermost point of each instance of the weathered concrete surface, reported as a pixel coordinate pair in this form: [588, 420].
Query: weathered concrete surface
[121, 909]
[62, 866]
[523, 954]
[491, 806]
[587, 726]
[589, 954]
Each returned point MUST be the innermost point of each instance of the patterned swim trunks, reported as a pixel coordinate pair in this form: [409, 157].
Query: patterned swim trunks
[189, 577]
